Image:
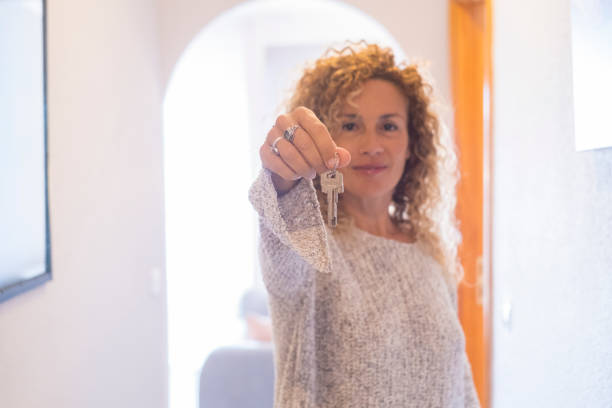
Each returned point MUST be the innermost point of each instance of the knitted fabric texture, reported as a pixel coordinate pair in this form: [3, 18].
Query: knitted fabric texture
[358, 320]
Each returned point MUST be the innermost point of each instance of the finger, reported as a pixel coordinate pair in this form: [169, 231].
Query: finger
[275, 164]
[305, 145]
[290, 156]
[276, 131]
[319, 134]
[344, 157]
[302, 143]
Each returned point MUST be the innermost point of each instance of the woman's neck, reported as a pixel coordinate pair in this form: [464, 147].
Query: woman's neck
[370, 215]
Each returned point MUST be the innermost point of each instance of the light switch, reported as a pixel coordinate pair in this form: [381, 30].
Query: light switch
[507, 314]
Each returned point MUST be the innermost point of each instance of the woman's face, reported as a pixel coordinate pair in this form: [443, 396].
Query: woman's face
[375, 132]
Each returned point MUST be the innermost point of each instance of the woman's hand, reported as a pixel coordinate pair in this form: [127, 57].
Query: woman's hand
[312, 151]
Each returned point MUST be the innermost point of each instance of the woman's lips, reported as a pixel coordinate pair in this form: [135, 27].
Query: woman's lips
[370, 170]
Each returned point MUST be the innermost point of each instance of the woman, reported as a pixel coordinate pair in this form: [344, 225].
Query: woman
[364, 314]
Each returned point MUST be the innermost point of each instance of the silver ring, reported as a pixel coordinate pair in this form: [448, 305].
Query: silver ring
[273, 146]
[289, 133]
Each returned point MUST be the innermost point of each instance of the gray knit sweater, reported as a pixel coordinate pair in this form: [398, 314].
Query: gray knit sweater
[358, 320]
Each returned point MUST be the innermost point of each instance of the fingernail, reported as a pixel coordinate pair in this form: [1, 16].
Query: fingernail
[333, 162]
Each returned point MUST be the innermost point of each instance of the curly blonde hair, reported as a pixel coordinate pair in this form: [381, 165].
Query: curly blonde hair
[424, 200]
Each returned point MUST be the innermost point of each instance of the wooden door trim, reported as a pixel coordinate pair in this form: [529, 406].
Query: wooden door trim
[470, 29]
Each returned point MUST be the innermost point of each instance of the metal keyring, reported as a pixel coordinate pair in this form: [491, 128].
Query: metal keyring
[289, 133]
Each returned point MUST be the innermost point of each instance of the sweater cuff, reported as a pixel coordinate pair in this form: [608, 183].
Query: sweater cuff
[294, 218]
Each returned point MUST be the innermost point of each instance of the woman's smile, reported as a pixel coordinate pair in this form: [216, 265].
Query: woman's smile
[369, 169]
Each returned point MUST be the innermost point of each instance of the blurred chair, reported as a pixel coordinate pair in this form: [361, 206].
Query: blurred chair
[238, 377]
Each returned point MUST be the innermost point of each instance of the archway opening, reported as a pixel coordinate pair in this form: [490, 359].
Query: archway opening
[222, 98]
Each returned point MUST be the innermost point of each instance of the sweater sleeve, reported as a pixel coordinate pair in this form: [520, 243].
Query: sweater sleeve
[471, 397]
[293, 235]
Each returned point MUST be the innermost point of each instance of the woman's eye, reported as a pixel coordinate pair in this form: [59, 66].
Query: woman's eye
[389, 126]
[349, 126]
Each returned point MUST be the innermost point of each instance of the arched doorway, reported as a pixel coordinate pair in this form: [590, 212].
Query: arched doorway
[221, 99]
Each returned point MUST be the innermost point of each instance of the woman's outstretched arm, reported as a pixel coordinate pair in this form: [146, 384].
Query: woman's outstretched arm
[293, 238]
[293, 235]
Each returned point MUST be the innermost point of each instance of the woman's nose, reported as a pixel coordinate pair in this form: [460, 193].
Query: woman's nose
[370, 144]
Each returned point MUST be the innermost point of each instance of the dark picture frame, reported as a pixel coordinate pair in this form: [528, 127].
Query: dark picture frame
[18, 279]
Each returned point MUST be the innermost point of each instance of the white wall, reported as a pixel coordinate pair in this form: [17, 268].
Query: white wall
[552, 222]
[95, 336]
[420, 27]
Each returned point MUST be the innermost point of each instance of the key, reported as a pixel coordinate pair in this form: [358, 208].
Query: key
[332, 185]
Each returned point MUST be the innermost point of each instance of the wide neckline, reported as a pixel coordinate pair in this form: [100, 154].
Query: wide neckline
[368, 237]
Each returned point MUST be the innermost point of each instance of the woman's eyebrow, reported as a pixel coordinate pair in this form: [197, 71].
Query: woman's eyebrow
[389, 115]
[385, 116]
